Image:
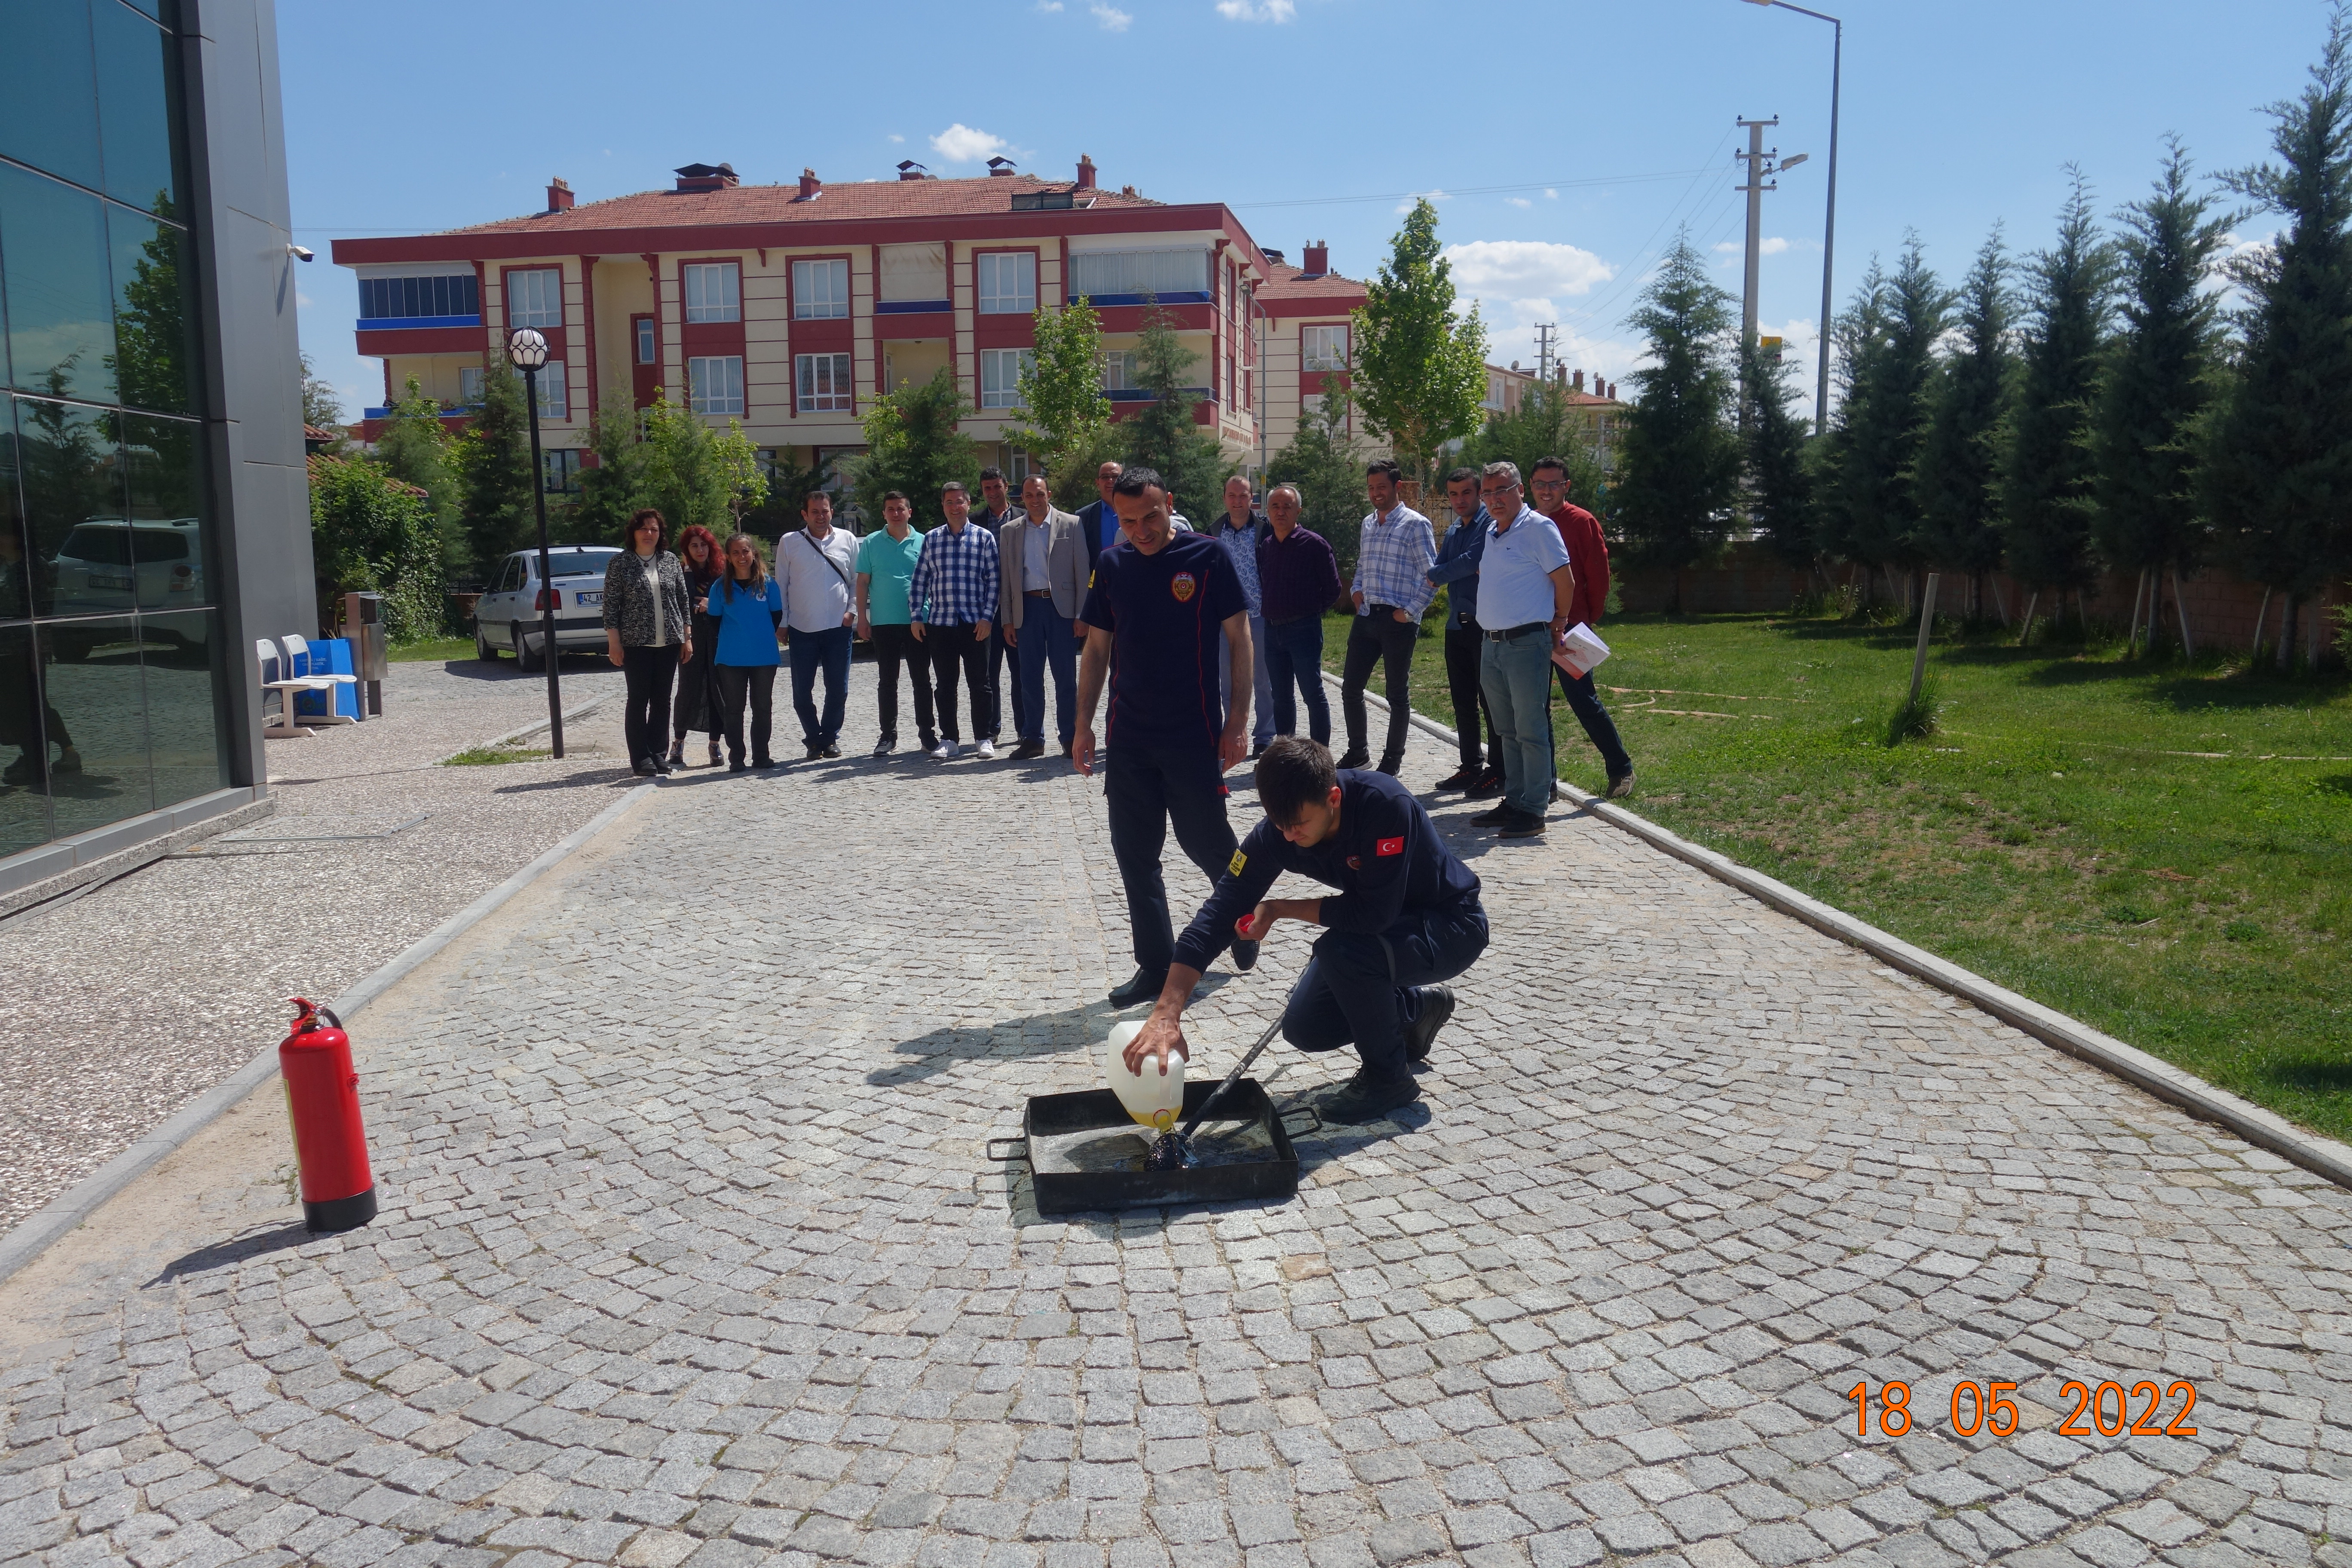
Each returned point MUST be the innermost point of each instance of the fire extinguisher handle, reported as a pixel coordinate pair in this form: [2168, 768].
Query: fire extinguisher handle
[328, 1014]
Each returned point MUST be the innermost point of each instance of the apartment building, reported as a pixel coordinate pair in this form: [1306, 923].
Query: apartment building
[792, 307]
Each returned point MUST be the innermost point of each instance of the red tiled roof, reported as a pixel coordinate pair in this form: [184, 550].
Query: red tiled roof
[1291, 282]
[782, 203]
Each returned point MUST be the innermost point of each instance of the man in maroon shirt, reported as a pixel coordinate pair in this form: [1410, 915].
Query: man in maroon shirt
[1587, 554]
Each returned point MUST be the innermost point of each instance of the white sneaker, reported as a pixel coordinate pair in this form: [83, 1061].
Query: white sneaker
[987, 750]
[943, 750]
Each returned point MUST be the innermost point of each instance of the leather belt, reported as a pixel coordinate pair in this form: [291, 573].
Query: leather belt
[1039, 593]
[1513, 633]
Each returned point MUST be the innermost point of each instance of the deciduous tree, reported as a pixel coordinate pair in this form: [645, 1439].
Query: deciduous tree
[1418, 371]
[1062, 391]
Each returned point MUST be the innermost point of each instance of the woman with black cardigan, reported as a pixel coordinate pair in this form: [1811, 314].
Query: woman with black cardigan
[698, 553]
[647, 634]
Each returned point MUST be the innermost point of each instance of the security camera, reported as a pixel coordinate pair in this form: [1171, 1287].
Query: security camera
[302, 252]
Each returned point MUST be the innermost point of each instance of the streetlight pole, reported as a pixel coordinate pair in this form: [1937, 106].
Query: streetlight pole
[527, 351]
[1829, 220]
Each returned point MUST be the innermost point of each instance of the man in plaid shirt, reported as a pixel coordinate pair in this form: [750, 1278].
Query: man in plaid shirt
[953, 597]
[1391, 588]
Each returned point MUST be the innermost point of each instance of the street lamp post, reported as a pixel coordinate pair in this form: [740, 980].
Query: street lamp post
[1829, 221]
[527, 351]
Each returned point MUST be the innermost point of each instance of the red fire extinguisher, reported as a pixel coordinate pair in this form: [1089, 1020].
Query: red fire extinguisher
[322, 1099]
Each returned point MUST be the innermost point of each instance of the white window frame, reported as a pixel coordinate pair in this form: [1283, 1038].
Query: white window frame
[1161, 270]
[648, 338]
[727, 397]
[469, 384]
[1000, 295]
[534, 297]
[1118, 370]
[824, 384]
[997, 388]
[1313, 346]
[821, 288]
[554, 391]
[1312, 403]
[714, 290]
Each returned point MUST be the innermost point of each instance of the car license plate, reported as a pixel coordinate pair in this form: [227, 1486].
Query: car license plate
[598, 597]
[101, 579]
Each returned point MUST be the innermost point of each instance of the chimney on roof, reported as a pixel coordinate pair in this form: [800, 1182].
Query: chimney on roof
[558, 194]
[1085, 172]
[1127, 190]
[1275, 258]
[1317, 259]
[1579, 380]
[706, 177]
[911, 170]
[811, 186]
[1611, 394]
[1000, 166]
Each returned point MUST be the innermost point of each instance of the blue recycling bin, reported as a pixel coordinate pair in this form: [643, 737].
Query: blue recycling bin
[331, 656]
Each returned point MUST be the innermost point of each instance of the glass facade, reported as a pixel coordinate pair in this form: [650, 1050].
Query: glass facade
[112, 672]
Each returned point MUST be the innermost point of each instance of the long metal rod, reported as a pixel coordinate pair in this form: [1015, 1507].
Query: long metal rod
[547, 590]
[1234, 1077]
[1829, 217]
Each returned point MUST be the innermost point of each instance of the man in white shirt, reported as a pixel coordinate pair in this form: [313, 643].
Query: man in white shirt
[1525, 589]
[816, 567]
[1044, 568]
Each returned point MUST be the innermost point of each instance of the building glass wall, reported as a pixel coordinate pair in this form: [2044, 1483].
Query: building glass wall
[111, 669]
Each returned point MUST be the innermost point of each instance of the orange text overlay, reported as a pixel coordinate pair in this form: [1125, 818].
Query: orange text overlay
[1987, 1407]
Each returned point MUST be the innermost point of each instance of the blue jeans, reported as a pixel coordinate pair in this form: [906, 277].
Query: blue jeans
[1045, 637]
[1585, 703]
[1516, 676]
[827, 650]
[1261, 683]
[1294, 663]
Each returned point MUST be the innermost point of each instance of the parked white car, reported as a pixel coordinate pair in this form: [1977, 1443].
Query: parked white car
[109, 566]
[507, 616]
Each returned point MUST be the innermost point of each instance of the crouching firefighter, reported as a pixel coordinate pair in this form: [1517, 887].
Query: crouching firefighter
[1406, 918]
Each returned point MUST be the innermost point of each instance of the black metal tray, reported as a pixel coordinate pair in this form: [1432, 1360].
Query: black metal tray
[1244, 1151]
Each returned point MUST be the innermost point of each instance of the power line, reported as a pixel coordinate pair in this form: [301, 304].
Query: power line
[1476, 190]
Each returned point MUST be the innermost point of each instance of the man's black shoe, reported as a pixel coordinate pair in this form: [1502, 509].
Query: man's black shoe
[1362, 1100]
[739, 766]
[1489, 785]
[1522, 825]
[1245, 955]
[1355, 759]
[829, 749]
[643, 767]
[763, 762]
[1436, 1006]
[814, 750]
[1389, 765]
[1462, 777]
[1145, 986]
[664, 766]
[1494, 817]
[1028, 749]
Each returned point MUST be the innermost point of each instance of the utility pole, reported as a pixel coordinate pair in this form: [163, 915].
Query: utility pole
[1759, 164]
[1547, 335]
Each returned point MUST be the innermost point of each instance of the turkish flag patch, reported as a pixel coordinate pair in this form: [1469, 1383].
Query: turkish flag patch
[1389, 847]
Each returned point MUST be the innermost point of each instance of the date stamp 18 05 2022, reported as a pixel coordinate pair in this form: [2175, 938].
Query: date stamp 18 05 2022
[1987, 1407]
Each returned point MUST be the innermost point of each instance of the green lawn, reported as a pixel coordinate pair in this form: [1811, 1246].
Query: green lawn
[440, 650]
[2162, 851]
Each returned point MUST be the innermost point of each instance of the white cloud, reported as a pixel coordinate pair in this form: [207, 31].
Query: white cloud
[1551, 194]
[1112, 18]
[1257, 10]
[895, 137]
[1771, 246]
[1407, 204]
[1049, 7]
[1519, 201]
[960, 143]
[1525, 268]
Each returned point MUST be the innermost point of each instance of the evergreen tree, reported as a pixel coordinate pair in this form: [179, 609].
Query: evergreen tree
[612, 490]
[1780, 475]
[1678, 468]
[1883, 424]
[1955, 483]
[1163, 435]
[914, 446]
[2160, 380]
[1859, 335]
[495, 511]
[2279, 464]
[1547, 424]
[1419, 370]
[694, 475]
[1327, 466]
[2046, 470]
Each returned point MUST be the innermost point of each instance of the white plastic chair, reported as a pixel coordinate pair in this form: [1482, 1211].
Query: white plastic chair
[298, 659]
[276, 671]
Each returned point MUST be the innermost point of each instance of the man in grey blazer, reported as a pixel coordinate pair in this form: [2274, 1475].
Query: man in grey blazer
[1043, 568]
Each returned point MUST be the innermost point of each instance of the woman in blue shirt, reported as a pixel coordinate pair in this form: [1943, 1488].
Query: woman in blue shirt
[748, 607]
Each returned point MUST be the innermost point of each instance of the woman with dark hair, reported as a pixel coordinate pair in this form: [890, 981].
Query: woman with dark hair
[646, 633]
[698, 550]
[747, 609]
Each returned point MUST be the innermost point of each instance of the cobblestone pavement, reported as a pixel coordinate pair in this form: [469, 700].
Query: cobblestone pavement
[196, 955]
[689, 1253]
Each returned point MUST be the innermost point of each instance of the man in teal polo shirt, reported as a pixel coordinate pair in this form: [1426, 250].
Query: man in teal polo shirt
[886, 564]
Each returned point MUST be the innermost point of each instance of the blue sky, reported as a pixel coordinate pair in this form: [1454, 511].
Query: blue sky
[1569, 139]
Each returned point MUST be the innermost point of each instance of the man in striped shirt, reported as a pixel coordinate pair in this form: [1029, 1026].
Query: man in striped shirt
[953, 597]
[1391, 588]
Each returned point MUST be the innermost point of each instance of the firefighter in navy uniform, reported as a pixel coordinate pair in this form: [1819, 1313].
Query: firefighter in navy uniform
[1406, 918]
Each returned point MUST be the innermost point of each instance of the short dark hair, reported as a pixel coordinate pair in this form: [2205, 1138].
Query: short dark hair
[1294, 773]
[637, 520]
[1134, 481]
[889, 496]
[813, 496]
[957, 486]
[1461, 474]
[1543, 463]
[1383, 466]
[991, 472]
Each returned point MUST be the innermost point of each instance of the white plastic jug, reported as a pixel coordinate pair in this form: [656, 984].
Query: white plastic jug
[1152, 1099]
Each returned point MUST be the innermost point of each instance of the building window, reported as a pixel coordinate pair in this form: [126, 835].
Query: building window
[563, 467]
[646, 351]
[820, 291]
[1311, 408]
[714, 291]
[1000, 376]
[469, 384]
[535, 299]
[397, 298]
[715, 384]
[1008, 282]
[1323, 348]
[554, 395]
[824, 383]
[1103, 274]
[1118, 370]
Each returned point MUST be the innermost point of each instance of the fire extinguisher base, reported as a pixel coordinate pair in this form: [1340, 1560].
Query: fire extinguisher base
[339, 1214]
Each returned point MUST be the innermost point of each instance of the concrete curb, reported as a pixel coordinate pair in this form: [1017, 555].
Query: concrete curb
[2321, 1156]
[511, 736]
[20, 1245]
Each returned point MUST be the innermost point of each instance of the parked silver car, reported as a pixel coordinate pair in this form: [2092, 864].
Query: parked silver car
[507, 616]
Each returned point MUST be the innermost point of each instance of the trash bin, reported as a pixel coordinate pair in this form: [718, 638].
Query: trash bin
[363, 620]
